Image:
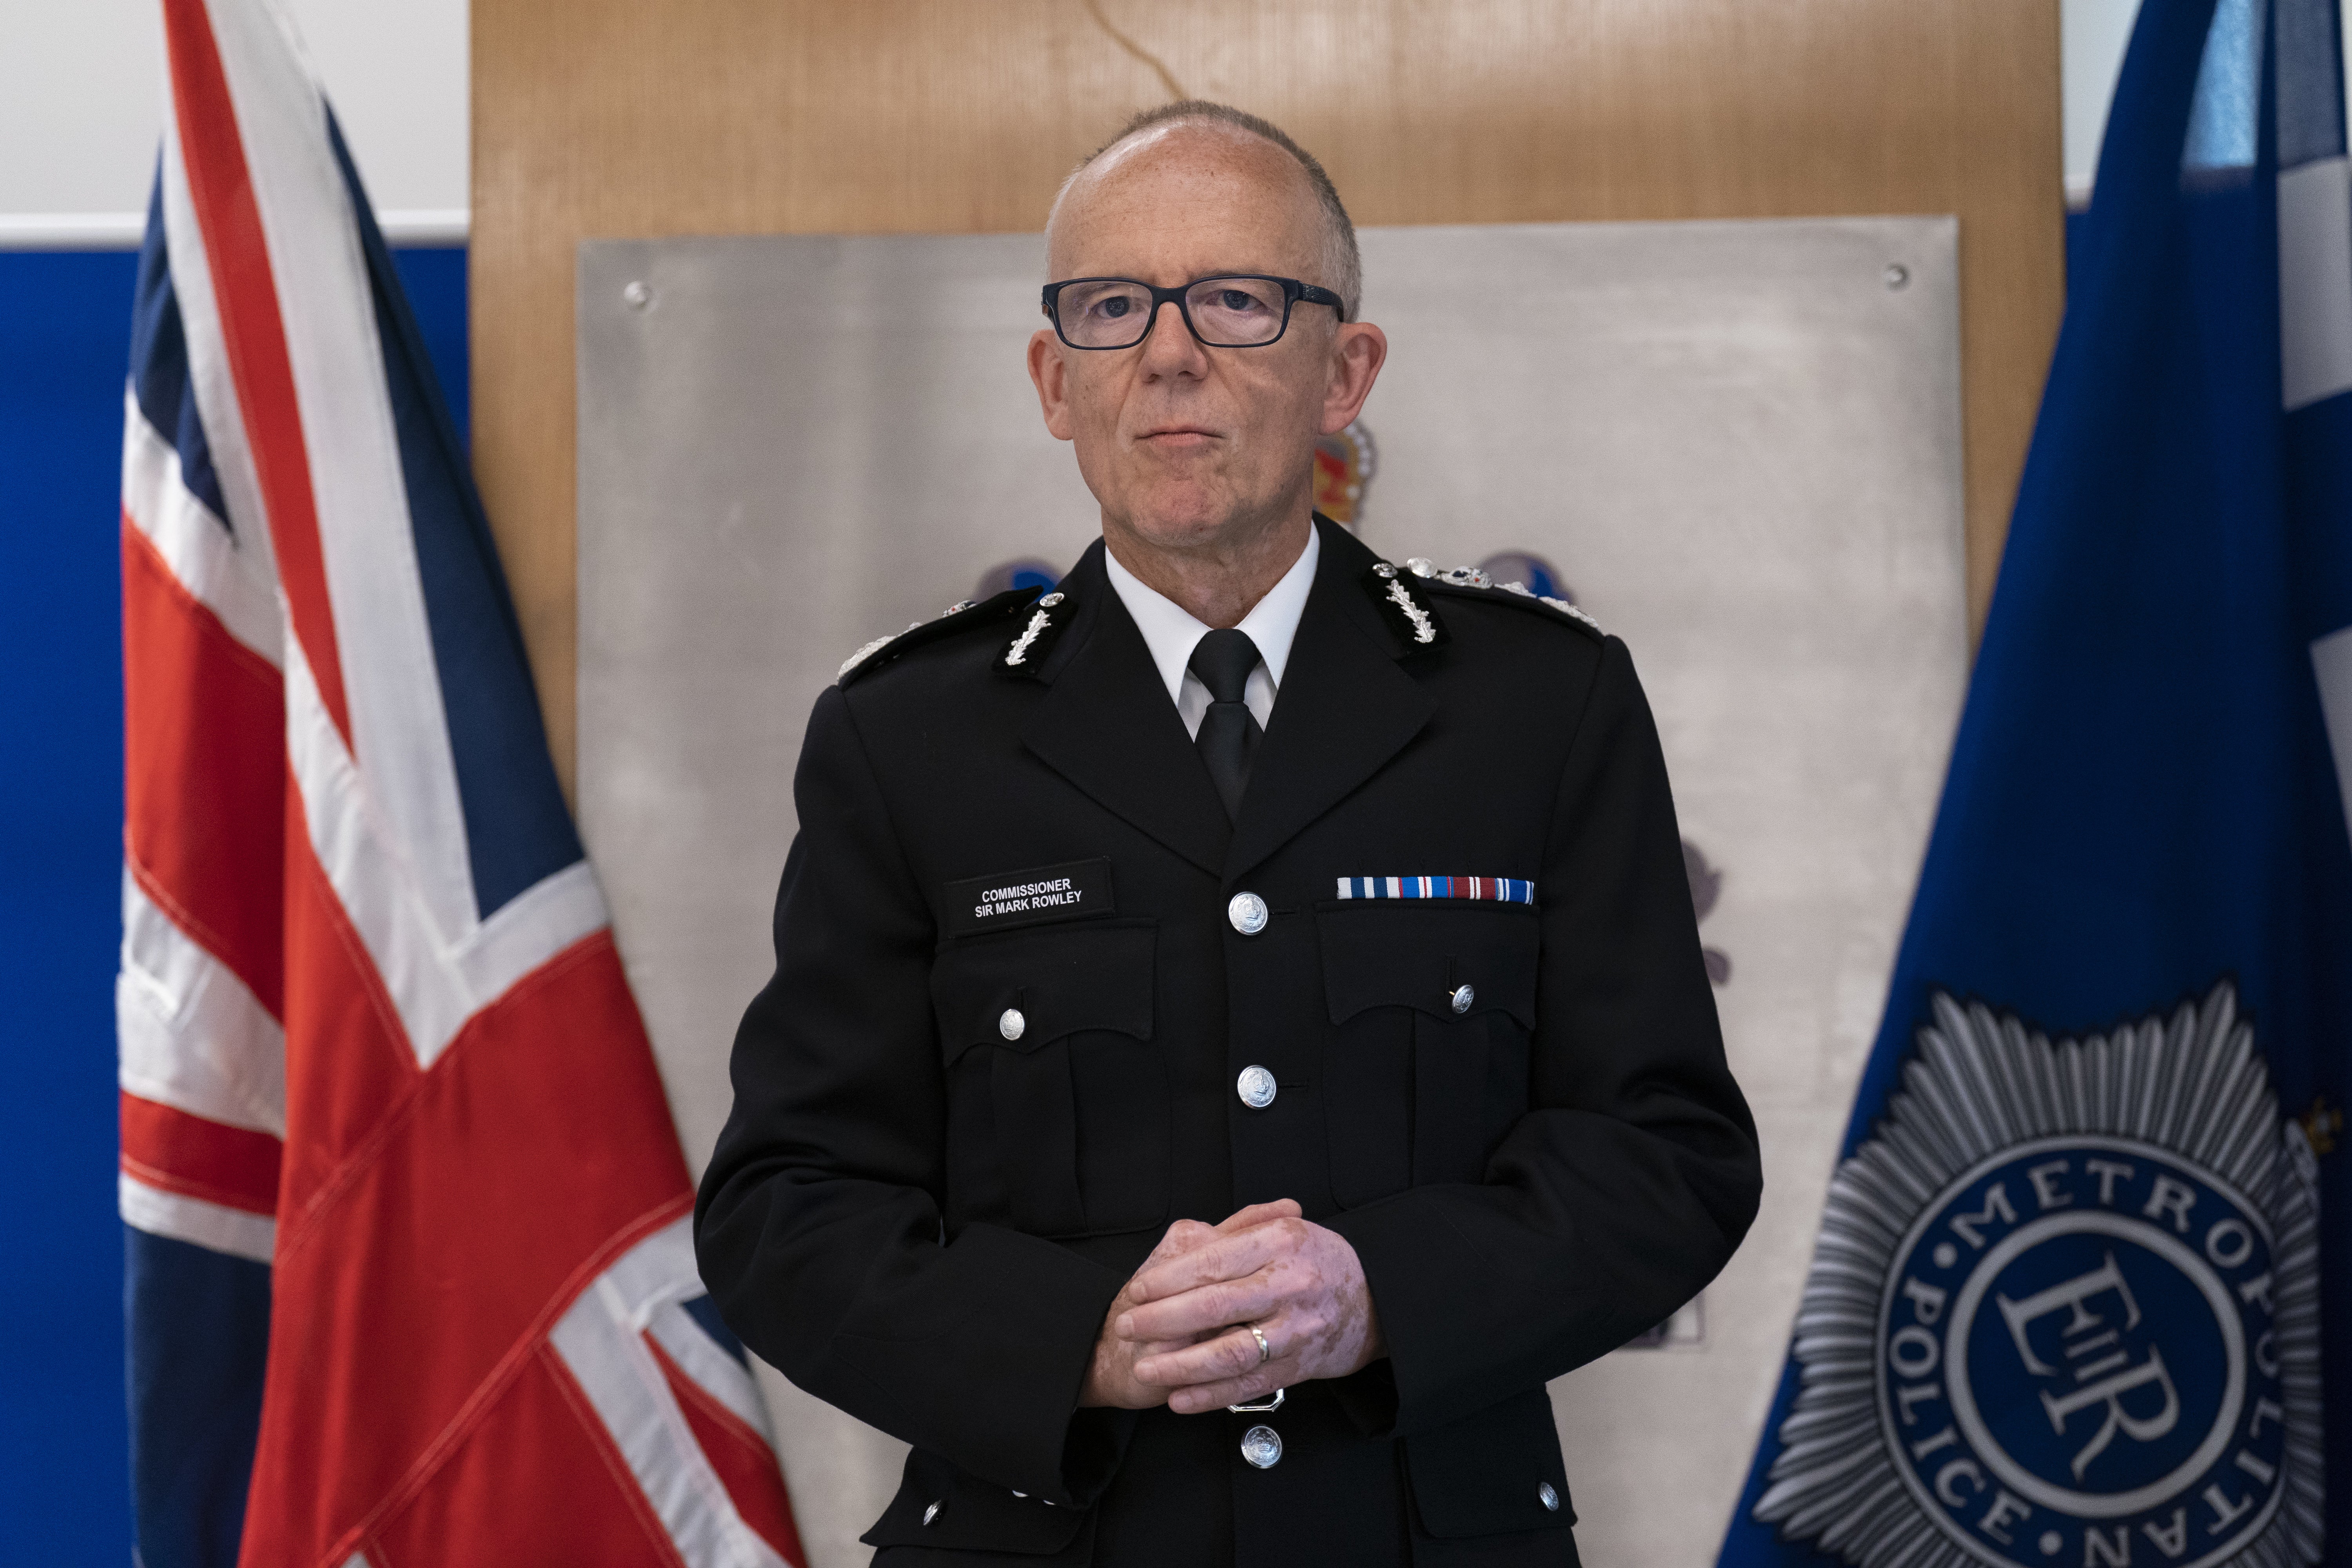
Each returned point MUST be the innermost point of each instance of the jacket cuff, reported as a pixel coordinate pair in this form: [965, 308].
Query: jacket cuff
[997, 1395]
[1418, 1268]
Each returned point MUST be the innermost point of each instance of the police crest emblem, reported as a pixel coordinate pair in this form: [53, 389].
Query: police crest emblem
[2064, 1310]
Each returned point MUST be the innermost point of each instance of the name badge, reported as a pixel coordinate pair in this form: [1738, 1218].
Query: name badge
[1042, 893]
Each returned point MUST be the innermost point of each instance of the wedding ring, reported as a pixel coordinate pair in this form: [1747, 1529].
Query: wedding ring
[1265, 1351]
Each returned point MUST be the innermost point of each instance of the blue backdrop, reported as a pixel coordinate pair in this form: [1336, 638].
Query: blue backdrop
[65, 339]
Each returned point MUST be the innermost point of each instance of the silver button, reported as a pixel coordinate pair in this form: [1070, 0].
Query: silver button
[1546, 1496]
[930, 1513]
[1011, 1025]
[1255, 1086]
[1248, 911]
[1463, 997]
[1261, 1446]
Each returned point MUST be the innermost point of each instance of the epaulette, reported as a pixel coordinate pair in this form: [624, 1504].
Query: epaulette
[972, 615]
[1471, 583]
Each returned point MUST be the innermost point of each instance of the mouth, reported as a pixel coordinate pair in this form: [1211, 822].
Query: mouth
[1177, 435]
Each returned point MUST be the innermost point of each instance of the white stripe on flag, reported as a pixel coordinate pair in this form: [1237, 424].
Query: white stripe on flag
[208, 371]
[2315, 234]
[390, 676]
[435, 985]
[2331, 660]
[192, 1036]
[601, 1343]
[212, 1225]
[720, 1376]
[193, 543]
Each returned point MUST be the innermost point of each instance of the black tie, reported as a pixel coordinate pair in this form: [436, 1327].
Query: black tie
[1229, 734]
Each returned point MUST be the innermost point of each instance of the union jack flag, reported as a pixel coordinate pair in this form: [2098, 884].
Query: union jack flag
[409, 1276]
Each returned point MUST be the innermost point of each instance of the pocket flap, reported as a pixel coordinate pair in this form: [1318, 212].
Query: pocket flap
[1487, 1474]
[1409, 953]
[1061, 980]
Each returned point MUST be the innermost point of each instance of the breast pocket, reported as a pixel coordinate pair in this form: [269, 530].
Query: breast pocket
[1425, 1062]
[1054, 1027]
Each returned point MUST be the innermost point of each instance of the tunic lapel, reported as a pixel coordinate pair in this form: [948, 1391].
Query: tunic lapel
[1106, 725]
[1345, 709]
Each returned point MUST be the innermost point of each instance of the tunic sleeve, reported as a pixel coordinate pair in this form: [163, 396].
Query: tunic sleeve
[818, 1224]
[1633, 1175]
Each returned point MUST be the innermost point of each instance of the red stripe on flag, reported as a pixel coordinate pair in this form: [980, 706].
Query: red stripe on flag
[746, 1465]
[168, 1148]
[424, 1267]
[537, 1481]
[348, 1061]
[203, 772]
[245, 288]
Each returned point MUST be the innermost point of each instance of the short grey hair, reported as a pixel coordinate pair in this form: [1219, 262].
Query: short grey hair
[1343, 260]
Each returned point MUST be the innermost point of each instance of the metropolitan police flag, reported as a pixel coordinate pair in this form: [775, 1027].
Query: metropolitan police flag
[2082, 1295]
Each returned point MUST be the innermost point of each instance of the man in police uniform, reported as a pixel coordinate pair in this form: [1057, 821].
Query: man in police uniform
[1239, 1025]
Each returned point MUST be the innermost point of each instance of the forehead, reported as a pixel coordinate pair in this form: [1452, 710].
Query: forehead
[1185, 199]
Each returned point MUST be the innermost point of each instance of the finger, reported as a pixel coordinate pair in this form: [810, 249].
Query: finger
[1248, 1388]
[1228, 1258]
[1182, 1237]
[1227, 1356]
[1258, 1213]
[1207, 1308]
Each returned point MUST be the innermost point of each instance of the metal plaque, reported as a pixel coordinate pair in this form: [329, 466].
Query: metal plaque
[1736, 444]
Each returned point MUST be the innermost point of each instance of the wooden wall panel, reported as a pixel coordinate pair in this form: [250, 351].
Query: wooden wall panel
[619, 118]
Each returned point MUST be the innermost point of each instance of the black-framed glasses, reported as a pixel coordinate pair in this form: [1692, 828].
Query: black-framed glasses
[1228, 310]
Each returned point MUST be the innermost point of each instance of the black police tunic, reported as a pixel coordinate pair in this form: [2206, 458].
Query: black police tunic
[1023, 964]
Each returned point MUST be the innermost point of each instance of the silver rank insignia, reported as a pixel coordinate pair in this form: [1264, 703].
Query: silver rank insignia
[956, 618]
[1475, 579]
[1406, 606]
[1040, 626]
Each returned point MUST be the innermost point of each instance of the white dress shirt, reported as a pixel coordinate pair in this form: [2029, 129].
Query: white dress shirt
[1171, 634]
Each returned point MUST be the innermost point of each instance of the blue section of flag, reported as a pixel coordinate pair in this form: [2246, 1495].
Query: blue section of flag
[2142, 809]
[517, 830]
[159, 365]
[705, 1313]
[198, 1337]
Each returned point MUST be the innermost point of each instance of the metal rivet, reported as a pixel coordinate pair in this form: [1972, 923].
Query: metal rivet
[1049, 601]
[637, 296]
[1896, 274]
[1383, 570]
[1261, 1446]
[1546, 1496]
[1462, 998]
[1011, 1024]
[930, 1513]
[1255, 1086]
[1248, 913]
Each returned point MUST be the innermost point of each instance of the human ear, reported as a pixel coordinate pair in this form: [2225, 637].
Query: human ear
[1357, 354]
[1051, 375]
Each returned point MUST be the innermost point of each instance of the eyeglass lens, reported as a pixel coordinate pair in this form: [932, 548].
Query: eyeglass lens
[1227, 312]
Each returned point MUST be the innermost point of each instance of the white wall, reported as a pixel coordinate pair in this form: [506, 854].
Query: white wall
[2091, 36]
[82, 107]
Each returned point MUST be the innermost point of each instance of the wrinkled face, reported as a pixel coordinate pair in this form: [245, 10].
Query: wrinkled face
[1181, 443]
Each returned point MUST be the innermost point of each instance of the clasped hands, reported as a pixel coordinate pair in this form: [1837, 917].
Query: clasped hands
[1178, 1333]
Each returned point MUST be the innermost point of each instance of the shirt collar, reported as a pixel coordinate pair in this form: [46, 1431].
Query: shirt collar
[1172, 632]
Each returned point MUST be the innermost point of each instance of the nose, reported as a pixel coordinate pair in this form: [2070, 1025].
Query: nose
[1171, 348]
